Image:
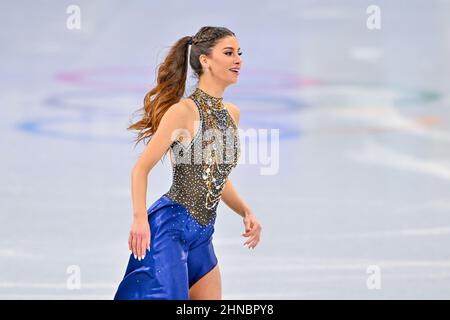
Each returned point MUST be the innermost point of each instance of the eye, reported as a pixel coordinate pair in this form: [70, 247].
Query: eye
[227, 53]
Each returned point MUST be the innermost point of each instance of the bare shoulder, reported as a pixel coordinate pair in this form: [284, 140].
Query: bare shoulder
[180, 112]
[178, 109]
[233, 110]
[189, 108]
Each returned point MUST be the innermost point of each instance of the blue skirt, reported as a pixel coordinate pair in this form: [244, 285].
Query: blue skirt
[181, 252]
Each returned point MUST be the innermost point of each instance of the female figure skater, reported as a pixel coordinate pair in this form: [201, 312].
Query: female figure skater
[171, 242]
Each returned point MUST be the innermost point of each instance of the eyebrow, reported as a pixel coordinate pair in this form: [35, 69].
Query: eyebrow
[231, 48]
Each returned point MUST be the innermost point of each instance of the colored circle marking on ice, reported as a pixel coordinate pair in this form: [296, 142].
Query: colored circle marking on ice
[114, 82]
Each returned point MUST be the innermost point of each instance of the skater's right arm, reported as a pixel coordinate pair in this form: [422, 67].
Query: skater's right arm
[168, 130]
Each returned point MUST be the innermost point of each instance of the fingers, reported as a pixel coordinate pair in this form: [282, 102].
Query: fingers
[129, 242]
[251, 231]
[139, 244]
[252, 241]
[139, 247]
[247, 233]
[134, 245]
[254, 235]
[147, 241]
[143, 247]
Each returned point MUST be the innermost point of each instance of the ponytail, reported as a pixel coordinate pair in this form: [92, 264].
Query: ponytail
[171, 83]
[171, 78]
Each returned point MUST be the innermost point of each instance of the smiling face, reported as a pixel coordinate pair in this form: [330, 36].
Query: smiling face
[225, 61]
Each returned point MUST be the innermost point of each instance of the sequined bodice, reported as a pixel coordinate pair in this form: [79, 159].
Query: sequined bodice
[201, 169]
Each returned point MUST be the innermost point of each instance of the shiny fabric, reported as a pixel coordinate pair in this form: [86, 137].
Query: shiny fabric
[181, 252]
[201, 169]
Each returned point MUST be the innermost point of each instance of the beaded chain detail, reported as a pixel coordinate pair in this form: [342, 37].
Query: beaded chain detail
[202, 167]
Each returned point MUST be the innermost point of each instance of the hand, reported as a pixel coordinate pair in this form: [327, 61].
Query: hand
[139, 239]
[252, 230]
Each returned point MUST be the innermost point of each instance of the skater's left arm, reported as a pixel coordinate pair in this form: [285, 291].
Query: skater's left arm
[229, 193]
[232, 199]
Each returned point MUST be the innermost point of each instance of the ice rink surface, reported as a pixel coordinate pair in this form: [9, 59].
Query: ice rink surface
[354, 196]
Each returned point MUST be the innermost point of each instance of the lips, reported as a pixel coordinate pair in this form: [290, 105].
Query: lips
[235, 70]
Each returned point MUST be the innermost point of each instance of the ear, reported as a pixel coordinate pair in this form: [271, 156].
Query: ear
[203, 59]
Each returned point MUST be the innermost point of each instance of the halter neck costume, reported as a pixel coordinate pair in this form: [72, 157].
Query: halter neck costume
[201, 169]
[182, 219]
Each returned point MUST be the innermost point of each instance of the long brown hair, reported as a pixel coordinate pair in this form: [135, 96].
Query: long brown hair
[171, 78]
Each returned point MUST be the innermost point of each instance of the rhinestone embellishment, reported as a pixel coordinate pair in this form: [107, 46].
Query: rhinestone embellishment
[199, 184]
